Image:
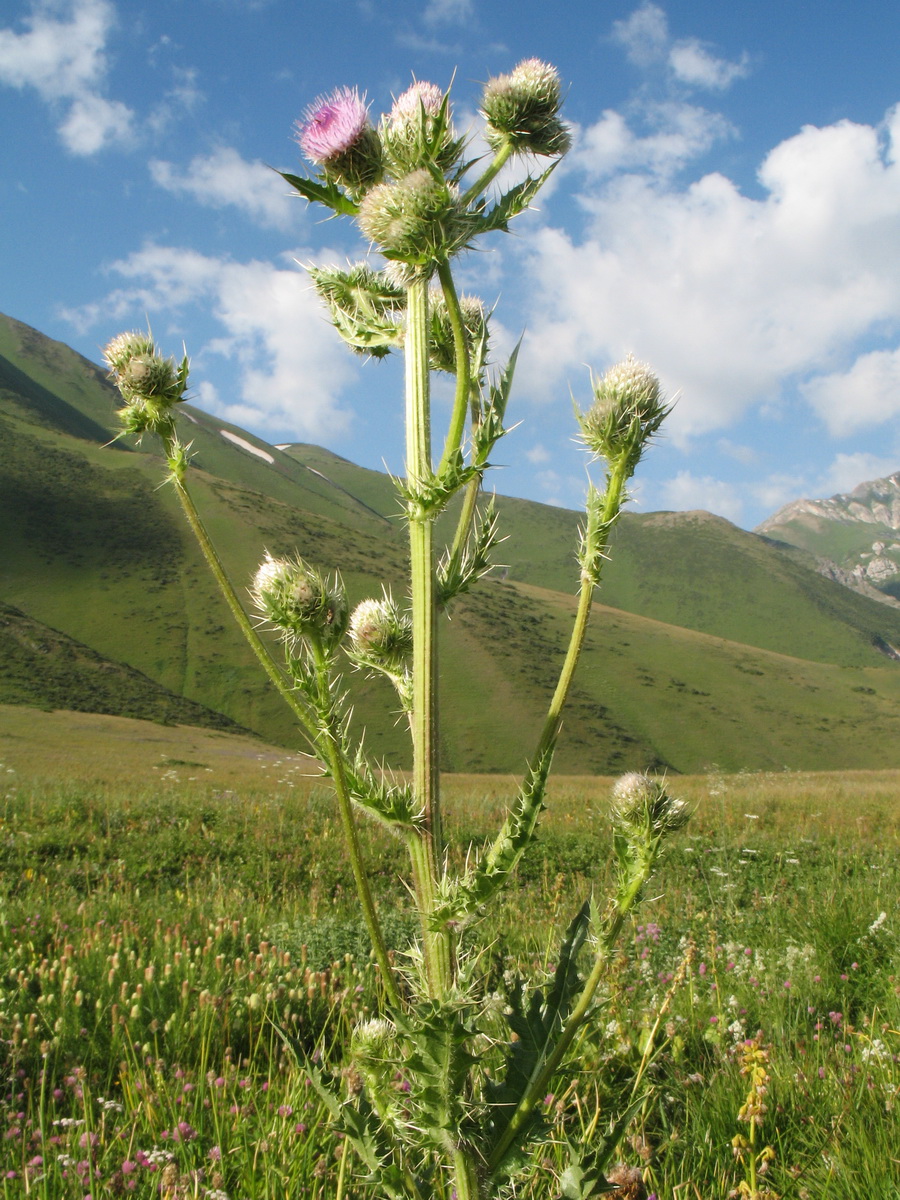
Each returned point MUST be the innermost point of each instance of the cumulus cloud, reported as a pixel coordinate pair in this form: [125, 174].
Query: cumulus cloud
[64, 60]
[290, 368]
[866, 395]
[679, 133]
[731, 298]
[224, 178]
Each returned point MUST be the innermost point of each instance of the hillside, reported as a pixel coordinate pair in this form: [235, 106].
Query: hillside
[712, 645]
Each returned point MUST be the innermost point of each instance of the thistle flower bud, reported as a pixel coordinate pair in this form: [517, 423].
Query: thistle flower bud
[418, 130]
[337, 135]
[298, 600]
[380, 635]
[149, 383]
[415, 220]
[643, 806]
[628, 409]
[126, 346]
[522, 110]
[441, 344]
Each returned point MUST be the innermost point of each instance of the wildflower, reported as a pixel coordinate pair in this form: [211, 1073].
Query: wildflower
[336, 134]
[298, 600]
[627, 411]
[415, 220]
[380, 634]
[522, 110]
[417, 131]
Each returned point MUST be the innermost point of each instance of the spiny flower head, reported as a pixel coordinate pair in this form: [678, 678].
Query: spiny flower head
[336, 134]
[415, 220]
[418, 130]
[298, 600]
[628, 410]
[149, 383]
[332, 125]
[642, 805]
[441, 345]
[380, 635]
[420, 95]
[126, 346]
[522, 110]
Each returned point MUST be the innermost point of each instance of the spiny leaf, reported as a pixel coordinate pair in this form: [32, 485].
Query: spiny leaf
[327, 193]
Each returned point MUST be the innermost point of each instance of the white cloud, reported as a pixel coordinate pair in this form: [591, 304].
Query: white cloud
[847, 471]
[687, 491]
[645, 35]
[445, 12]
[225, 178]
[688, 61]
[866, 395]
[64, 61]
[680, 133]
[692, 63]
[730, 298]
[290, 367]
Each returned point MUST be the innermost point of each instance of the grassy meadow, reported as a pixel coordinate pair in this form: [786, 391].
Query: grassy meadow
[176, 915]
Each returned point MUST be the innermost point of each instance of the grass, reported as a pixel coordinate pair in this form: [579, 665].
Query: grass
[160, 938]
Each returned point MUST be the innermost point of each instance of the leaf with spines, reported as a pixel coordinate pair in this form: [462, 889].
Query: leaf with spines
[326, 192]
[510, 204]
[534, 1028]
[457, 573]
[460, 899]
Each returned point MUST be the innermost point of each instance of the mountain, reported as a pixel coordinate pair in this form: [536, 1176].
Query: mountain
[709, 644]
[855, 537]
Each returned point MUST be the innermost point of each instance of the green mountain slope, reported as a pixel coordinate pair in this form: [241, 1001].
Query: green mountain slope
[713, 646]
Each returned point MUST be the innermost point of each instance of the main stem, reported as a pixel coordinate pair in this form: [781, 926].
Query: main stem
[427, 850]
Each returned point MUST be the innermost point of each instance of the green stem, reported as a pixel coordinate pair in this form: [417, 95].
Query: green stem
[428, 845]
[465, 1177]
[612, 503]
[497, 165]
[463, 373]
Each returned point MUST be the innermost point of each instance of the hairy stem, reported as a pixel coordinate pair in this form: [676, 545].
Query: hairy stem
[424, 718]
[463, 373]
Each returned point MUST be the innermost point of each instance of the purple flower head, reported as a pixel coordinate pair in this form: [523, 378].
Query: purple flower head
[333, 125]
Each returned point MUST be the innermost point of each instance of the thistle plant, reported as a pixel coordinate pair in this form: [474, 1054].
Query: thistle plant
[467, 1122]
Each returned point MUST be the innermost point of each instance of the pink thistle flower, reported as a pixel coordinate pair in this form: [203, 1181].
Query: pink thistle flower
[333, 125]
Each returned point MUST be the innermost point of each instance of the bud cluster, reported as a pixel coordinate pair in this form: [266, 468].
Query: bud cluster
[628, 410]
[149, 384]
[299, 601]
[401, 178]
[522, 110]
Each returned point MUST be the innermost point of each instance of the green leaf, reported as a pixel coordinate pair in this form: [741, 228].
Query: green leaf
[327, 193]
[511, 203]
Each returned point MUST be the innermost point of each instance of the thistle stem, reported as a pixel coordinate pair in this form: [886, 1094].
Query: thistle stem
[329, 740]
[497, 164]
[463, 373]
[427, 848]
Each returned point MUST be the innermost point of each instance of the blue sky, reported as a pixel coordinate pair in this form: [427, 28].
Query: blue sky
[730, 213]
